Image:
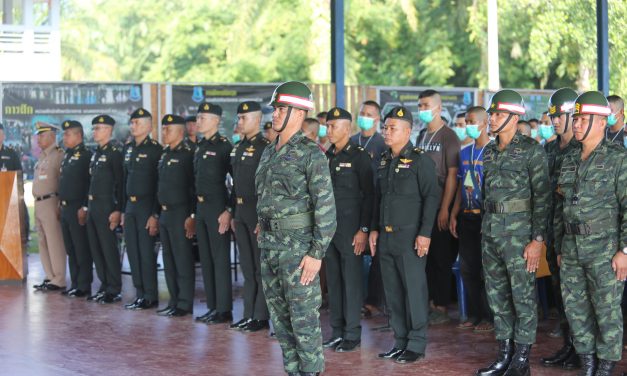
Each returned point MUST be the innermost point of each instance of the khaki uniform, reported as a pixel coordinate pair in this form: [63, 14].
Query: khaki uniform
[45, 191]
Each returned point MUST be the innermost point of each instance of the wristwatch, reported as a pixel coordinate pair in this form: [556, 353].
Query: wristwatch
[364, 229]
[539, 238]
[85, 208]
[192, 216]
[624, 251]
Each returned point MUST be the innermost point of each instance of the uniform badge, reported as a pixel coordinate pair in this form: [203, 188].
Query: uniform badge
[405, 161]
[346, 165]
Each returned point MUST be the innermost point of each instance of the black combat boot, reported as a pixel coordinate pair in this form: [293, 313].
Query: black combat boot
[557, 360]
[520, 362]
[503, 358]
[605, 367]
[588, 365]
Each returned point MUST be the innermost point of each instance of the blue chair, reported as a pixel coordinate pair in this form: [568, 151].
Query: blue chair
[461, 292]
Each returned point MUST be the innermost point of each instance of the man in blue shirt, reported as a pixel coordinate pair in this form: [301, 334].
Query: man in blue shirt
[467, 213]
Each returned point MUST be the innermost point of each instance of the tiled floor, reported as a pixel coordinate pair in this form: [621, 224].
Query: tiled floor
[49, 334]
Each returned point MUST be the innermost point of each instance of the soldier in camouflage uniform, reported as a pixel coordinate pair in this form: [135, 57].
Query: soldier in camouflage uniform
[516, 196]
[591, 236]
[296, 213]
[560, 106]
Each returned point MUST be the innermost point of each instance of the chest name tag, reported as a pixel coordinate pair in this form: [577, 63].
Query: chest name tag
[247, 154]
[346, 165]
[404, 165]
[210, 153]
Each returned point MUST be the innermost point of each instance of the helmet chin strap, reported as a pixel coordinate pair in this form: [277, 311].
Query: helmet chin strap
[287, 118]
[566, 125]
[589, 128]
[504, 124]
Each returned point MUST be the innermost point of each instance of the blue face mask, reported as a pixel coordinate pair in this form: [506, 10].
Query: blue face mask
[546, 131]
[426, 116]
[534, 133]
[365, 123]
[461, 133]
[625, 141]
[611, 120]
[322, 131]
[473, 131]
[235, 138]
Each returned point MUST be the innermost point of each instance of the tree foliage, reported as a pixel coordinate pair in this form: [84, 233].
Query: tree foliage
[542, 44]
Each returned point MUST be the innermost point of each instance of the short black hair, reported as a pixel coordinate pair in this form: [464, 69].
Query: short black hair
[373, 104]
[615, 99]
[428, 93]
[523, 122]
[460, 115]
[534, 120]
[475, 109]
[322, 114]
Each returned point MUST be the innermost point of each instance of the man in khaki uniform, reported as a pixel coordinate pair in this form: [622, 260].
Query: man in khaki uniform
[45, 191]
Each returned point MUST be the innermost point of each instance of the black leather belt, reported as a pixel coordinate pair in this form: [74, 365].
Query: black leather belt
[45, 197]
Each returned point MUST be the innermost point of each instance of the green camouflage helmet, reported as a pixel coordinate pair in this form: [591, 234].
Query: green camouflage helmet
[293, 93]
[562, 102]
[592, 103]
[507, 101]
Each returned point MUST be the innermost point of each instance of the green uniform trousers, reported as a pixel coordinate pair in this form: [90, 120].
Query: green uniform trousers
[344, 284]
[103, 244]
[511, 289]
[293, 309]
[140, 248]
[77, 247]
[592, 296]
[178, 260]
[214, 250]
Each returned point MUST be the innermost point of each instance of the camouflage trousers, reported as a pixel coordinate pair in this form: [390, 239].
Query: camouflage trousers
[592, 296]
[293, 309]
[511, 289]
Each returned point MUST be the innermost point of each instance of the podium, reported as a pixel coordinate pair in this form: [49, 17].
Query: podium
[12, 253]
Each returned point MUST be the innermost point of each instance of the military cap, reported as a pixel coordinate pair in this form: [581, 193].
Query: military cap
[592, 103]
[400, 112]
[68, 124]
[170, 119]
[248, 106]
[507, 101]
[190, 118]
[294, 94]
[267, 125]
[562, 101]
[103, 119]
[209, 108]
[337, 113]
[41, 127]
[140, 113]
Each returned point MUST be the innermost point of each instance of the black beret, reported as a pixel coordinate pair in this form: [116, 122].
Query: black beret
[71, 124]
[103, 119]
[337, 113]
[400, 112]
[267, 125]
[209, 108]
[140, 113]
[248, 106]
[190, 118]
[170, 119]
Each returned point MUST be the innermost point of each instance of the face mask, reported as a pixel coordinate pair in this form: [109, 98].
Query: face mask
[625, 141]
[426, 116]
[534, 133]
[235, 138]
[473, 131]
[461, 133]
[546, 131]
[322, 131]
[611, 120]
[365, 123]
